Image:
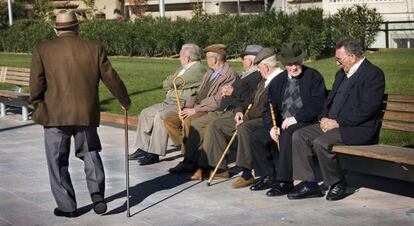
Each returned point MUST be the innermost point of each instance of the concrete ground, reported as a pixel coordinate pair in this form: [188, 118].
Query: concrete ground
[160, 198]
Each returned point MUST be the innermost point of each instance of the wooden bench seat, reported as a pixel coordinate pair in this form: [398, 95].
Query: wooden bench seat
[20, 78]
[398, 115]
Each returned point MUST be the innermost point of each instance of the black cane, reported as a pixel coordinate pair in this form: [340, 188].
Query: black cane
[127, 162]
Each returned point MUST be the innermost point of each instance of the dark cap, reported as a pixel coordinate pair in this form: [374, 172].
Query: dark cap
[263, 54]
[290, 53]
[216, 48]
[65, 19]
[252, 50]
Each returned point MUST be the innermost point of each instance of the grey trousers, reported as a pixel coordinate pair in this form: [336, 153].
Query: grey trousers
[312, 140]
[87, 147]
[219, 136]
[151, 133]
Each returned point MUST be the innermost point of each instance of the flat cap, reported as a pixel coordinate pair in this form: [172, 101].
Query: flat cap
[216, 48]
[65, 19]
[263, 54]
[252, 50]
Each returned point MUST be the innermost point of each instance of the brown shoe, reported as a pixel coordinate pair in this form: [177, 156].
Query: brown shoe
[223, 175]
[182, 167]
[199, 174]
[241, 182]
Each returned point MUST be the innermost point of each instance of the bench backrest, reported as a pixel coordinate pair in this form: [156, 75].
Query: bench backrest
[16, 76]
[398, 113]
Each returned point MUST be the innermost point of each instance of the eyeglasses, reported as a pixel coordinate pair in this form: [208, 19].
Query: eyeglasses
[341, 60]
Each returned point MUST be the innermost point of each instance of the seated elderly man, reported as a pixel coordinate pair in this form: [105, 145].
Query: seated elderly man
[238, 94]
[152, 138]
[207, 98]
[297, 96]
[222, 129]
[351, 115]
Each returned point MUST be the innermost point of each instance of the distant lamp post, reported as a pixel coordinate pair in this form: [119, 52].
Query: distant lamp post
[9, 4]
[162, 8]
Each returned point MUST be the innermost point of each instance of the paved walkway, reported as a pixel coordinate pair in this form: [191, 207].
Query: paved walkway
[159, 198]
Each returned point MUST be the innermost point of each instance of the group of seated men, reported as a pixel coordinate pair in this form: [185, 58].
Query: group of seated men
[283, 117]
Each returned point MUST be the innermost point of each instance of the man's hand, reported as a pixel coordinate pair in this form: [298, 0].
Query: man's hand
[187, 112]
[126, 108]
[227, 90]
[288, 122]
[327, 124]
[238, 118]
[274, 133]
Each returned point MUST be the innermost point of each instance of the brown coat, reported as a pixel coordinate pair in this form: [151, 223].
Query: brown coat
[213, 99]
[64, 81]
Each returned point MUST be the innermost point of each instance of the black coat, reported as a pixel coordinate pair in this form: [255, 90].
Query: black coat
[360, 117]
[312, 92]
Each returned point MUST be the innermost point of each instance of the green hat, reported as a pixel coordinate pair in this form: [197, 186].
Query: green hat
[290, 53]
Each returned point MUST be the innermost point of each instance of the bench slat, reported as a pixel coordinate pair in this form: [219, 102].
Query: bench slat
[18, 78]
[399, 116]
[18, 69]
[399, 98]
[379, 151]
[398, 126]
[18, 73]
[12, 94]
[393, 106]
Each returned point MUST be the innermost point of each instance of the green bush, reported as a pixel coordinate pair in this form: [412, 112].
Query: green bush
[163, 37]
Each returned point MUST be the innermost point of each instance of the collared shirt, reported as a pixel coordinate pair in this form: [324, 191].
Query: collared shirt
[215, 73]
[186, 67]
[248, 72]
[273, 75]
[354, 68]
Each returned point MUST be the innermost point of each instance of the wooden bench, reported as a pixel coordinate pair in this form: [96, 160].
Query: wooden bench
[398, 115]
[20, 78]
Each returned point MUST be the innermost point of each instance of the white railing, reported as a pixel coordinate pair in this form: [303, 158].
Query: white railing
[361, 1]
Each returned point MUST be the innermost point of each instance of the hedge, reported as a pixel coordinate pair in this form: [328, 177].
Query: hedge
[164, 37]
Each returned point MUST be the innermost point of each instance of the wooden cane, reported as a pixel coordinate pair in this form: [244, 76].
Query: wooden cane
[177, 97]
[272, 114]
[126, 163]
[226, 150]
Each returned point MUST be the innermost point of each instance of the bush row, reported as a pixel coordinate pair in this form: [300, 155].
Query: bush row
[164, 37]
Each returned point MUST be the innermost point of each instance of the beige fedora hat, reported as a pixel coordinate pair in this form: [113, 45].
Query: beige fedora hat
[65, 19]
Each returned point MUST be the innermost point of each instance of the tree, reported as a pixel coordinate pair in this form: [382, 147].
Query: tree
[18, 11]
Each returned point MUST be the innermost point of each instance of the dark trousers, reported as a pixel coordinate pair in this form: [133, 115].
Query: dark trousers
[87, 147]
[262, 153]
[312, 140]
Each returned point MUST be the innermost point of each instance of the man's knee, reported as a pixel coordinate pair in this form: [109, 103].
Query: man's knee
[298, 136]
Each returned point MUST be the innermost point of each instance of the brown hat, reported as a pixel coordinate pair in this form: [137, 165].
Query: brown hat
[290, 53]
[263, 54]
[216, 48]
[65, 19]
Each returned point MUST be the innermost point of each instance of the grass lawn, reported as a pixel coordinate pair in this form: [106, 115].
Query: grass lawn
[143, 78]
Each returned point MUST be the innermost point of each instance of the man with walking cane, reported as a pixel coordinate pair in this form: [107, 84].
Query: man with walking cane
[64, 81]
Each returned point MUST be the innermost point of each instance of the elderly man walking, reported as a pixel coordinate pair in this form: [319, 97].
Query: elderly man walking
[351, 115]
[152, 137]
[207, 98]
[64, 81]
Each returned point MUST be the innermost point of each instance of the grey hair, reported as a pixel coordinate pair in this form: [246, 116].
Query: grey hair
[193, 51]
[351, 46]
[270, 61]
[218, 56]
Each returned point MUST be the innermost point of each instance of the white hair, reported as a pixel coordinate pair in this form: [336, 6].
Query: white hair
[270, 61]
[192, 50]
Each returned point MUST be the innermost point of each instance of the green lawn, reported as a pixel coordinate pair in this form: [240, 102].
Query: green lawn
[143, 78]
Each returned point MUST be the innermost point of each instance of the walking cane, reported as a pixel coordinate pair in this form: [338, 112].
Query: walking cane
[127, 162]
[272, 114]
[177, 97]
[225, 151]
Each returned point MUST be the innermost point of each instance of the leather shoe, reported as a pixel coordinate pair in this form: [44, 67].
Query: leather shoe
[280, 188]
[137, 154]
[223, 175]
[337, 191]
[241, 182]
[183, 167]
[199, 174]
[305, 192]
[148, 159]
[263, 183]
[59, 213]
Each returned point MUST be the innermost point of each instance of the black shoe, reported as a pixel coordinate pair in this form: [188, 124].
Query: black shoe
[263, 183]
[305, 192]
[59, 213]
[137, 154]
[99, 204]
[183, 167]
[280, 188]
[148, 159]
[337, 191]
